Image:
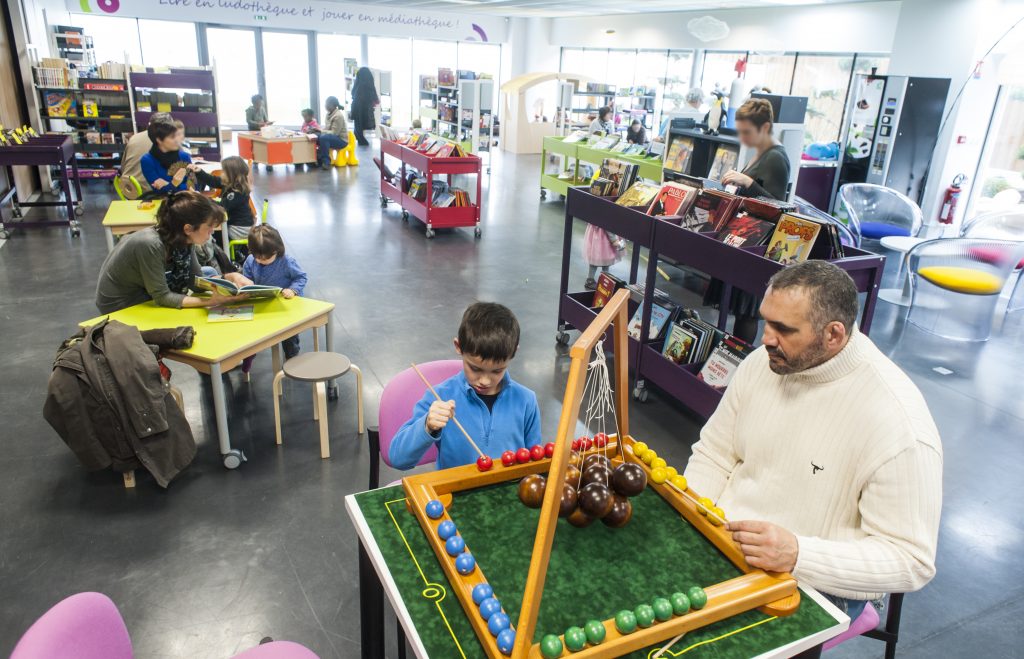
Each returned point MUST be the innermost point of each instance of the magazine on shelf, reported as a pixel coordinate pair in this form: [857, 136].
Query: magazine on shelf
[712, 209]
[602, 187]
[607, 142]
[228, 288]
[639, 195]
[723, 362]
[679, 344]
[621, 174]
[793, 239]
[659, 319]
[678, 157]
[607, 284]
[745, 230]
[230, 314]
[726, 157]
[674, 199]
[575, 136]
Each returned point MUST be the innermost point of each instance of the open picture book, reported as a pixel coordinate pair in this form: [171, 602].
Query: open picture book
[225, 287]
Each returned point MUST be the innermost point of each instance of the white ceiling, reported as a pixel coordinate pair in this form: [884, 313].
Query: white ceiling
[586, 7]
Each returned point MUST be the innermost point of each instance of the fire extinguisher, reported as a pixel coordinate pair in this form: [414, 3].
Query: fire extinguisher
[948, 208]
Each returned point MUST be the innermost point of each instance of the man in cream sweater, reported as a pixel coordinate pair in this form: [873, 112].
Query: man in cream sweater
[822, 452]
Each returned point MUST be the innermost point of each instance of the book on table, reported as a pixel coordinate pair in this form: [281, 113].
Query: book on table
[607, 142]
[678, 157]
[230, 314]
[745, 230]
[793, 239]
[229, 288]
[639, 195]
[711, 210]
[621, 174]
[674, 199]
[607, 284]
[725, 359]
[575, 136]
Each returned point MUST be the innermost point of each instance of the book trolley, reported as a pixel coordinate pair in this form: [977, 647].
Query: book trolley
[745, 268]
[44, 151]
[574, 153]
[429, 167]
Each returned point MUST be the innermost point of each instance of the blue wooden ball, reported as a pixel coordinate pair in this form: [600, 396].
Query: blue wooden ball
[481, 591]
[465, 563]
[506, 639]
[455, 545]
[446, 529]
[489, 607]
[434, 509]
[498, 622]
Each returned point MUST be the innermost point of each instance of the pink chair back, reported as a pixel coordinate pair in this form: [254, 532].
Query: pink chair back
[865, 622]
[400, 396]
[83, 626]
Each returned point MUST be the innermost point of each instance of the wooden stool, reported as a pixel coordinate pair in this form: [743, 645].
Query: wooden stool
[129, 476]
[318, 368]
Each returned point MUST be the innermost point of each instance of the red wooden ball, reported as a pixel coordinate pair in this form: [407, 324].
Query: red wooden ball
[549, 449]
[600, 440]
[536, 452]
[523, 455]
[508, 458]
[589, 444]
[578, 443]
[484, 463]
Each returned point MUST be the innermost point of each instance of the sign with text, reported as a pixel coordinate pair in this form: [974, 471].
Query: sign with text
[308, 15]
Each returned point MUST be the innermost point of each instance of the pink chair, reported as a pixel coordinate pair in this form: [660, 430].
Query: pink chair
[89, 626]
[397, 402]
[865, 622]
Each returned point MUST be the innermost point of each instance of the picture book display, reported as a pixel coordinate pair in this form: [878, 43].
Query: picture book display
[607, 284]
[639, 195]
[230, 314]
[745, 230]
[673, 199]
[575, 136]
[723, 362]
[679, 344]
[659, 319]
[606, 142]
[726, 158]
[678, 156]
[793, 239]
[227, 288]
[711, 210]
[620, 174]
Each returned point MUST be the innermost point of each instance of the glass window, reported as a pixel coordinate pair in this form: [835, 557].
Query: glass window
[154, 37]
[286, 74]
[427, 57]
[113, 38]
[825, 81]
[233, 55]
[865, 63]
[1000, 183]
[719, 71]
[395, 56]
[595, 64]
[572, 60]
[650, 73]
[331, 49]
[771, 71]
[677, 79]
[482, 58]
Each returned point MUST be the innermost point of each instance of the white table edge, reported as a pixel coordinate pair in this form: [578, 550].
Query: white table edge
[390, 587]
[412, 636]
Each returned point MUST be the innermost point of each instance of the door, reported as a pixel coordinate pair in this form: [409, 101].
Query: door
[232, 51]
[286, 57]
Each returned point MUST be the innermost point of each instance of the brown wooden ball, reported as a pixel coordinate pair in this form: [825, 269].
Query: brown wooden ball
[575, 459]
[629, 479]
[621, 513]
[531, 490]
[580, 519]
[595, 499]
[573, 475]
[593, 459]
[598, 473]
[568, 503]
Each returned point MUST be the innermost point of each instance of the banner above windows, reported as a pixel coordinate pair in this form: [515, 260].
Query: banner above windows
[309, 15]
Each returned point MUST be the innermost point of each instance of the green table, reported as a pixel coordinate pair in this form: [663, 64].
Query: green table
[554, 182]
[593, 573]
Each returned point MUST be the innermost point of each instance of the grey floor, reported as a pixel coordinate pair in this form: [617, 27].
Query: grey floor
[224, 558]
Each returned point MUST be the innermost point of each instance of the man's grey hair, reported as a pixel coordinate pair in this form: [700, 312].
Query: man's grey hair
[695, 95]
[832, 291]
[161, 118]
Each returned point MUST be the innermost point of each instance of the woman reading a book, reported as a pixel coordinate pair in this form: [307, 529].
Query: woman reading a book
[159, 263]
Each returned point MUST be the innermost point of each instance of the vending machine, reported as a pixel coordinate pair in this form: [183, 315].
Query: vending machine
[889, 132]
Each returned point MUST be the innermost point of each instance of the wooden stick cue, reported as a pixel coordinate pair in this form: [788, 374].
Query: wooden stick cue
[665, 647]
[697, 503]
[458, 425]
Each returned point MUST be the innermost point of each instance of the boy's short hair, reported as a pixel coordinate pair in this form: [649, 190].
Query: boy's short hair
[160, 130]
[308, 111]
[179, 124]
[256, 97]
[265, 241]
[489, 331]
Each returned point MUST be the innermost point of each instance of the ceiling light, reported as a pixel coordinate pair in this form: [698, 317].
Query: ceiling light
[609, 31]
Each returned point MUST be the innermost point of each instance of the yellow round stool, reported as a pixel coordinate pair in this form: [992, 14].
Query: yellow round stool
[347, 156]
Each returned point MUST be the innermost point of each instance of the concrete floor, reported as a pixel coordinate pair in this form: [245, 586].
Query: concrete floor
[224, 558]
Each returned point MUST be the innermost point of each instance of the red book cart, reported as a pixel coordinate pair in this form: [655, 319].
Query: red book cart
[429, 167]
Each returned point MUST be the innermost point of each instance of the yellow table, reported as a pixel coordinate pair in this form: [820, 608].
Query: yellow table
[125, 216]
[220, 347]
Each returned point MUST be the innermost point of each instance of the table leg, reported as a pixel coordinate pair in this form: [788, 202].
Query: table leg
[225, 239]
[371, 608]
[65, 186]
[220, 408]
[332, 385]
[110, 238]
[275, 358]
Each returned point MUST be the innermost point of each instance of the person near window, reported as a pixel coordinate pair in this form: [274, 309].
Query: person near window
[364, 100]
[636, 133]
[256, 114]
[603, 123]
[334, 133]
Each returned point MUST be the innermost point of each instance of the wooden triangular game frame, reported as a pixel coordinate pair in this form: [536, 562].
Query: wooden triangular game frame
[772, 593]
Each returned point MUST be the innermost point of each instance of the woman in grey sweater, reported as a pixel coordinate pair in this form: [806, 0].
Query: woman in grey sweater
[767, 173]
[160, 263]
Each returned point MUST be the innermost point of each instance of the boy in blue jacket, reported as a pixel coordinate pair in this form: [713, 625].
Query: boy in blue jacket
[498, 413]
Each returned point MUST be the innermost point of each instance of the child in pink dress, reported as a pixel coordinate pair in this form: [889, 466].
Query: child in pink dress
[600, 250]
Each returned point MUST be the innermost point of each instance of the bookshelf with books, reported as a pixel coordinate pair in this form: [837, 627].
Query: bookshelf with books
[190, 95]
[691, 152]
[585, 102]
[421, 183]
[565, 156]
[428, 102]
[635, 103]
[746, 268]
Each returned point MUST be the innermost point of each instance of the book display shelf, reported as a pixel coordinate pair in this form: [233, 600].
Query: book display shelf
[420, 165]
[573, 153]
[428, 103]
[744, 268]
[586, 102]
[703, 150]
[54, 151]
[190, 95]
[635, 103]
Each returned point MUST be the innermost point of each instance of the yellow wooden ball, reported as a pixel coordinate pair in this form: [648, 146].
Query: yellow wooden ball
[721, 515]
[679, 481]
[706, 504]
[659, 475]
[658, 462]
[648, 456]
[639, 448]
[672, 472]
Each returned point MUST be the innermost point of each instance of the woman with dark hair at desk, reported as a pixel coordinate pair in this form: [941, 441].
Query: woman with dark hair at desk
[766, 175]
[159, 263]
[364, 99]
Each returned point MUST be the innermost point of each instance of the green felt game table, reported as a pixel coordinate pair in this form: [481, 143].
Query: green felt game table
[593, 573]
